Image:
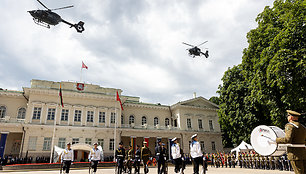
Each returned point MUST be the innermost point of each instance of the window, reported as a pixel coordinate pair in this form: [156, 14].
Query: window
[36, 113]
[21, 113]
[167, 122]
[62, 143]
[188, 123]
[2, 111]
[202, 145]
[175, 123]
[111, 144]
[90, 115]
[131, 119]
[65, 113]
[51, 114]
[122, 119]
[47, 143]
[113, 117]
[77, 115]
[200, 124]
[75, 140]
[101, 143]
[211, 126]
[88, 141]
[143, 120]
[101, 117]
[213, 145]
[32, 143]
[155, 121]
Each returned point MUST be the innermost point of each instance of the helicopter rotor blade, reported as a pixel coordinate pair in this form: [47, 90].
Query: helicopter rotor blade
[188, 44]
[70, 6]
[202, 43]
[43, 5]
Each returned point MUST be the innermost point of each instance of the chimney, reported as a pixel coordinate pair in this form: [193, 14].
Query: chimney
[194, 95]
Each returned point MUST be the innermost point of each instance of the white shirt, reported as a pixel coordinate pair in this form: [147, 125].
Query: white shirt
[195, 149]
[175, 151]
[67, 155]
[95, 155]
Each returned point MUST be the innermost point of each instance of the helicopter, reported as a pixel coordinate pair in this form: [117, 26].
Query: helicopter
[196, 51]
[46, 18]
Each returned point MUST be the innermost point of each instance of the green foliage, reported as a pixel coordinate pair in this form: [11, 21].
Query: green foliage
[215, 100]
[272, 75]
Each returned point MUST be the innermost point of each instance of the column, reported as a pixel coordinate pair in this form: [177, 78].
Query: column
[3, 142]
[96, 117]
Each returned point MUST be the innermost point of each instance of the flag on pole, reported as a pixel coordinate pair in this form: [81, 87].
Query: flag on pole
[61, 95]
[84, 66]
[118, 99]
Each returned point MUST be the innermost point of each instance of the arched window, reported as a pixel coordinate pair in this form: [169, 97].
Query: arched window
[167, 122]
[143, 120]
[2, 111]
[155, 121]
[21, 113]
[131, 119]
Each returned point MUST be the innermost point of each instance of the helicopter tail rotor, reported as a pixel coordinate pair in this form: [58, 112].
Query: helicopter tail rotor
[79, 27]
[205, 54]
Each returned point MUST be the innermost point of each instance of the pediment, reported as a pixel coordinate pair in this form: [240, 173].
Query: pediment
[200, 102]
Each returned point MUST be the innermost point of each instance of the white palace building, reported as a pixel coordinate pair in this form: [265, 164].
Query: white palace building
[33, 120]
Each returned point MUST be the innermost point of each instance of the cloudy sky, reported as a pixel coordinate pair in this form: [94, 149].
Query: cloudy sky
[134, 45]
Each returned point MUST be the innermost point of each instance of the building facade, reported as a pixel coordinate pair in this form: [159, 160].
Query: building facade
[32, 121]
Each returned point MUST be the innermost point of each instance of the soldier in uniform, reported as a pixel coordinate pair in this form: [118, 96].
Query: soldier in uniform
[137, 160]
[145, 156]
[67, 158]
[165, 156]
[94, 157]
[295, 134]
[120, 156]
[129, 158]
[196, 153]
[176, 155]
[159, 155]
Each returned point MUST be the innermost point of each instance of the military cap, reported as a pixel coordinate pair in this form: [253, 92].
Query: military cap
[293, 113]
[145, 142]
[95, 143]
[68, 143]
[121, 143]
[174, 139]
[193, 136]
[159, 140]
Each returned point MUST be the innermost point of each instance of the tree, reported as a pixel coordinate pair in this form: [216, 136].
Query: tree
[215, 100]
[272, 73]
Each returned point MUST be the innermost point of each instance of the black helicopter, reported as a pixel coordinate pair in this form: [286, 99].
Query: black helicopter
[196, 51]
[46, 18]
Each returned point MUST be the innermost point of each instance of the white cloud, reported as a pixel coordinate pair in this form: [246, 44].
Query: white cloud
[132, 45]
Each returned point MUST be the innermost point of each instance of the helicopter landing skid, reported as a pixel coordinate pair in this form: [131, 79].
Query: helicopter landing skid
[38, 22]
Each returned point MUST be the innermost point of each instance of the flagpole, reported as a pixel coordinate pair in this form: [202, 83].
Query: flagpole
[115, 127]
[52, 144]
[81, 75]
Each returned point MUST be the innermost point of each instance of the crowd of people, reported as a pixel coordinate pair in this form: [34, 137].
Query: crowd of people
[251, 160]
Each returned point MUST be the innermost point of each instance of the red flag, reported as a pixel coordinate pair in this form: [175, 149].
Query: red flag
[118, 99]
[84, 66]
[61, 95]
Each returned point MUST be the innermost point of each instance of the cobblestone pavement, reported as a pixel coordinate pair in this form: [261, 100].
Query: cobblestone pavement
[188, 170]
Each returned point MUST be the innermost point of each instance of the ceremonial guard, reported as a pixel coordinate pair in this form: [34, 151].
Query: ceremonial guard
[196, 153]
[160, 157]
[120, 156]
[176, 155]
[145, 156]
[129, 158]
[165, 157]
[94, 157]
[137, 160]
[295, 134]
[67, 158]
